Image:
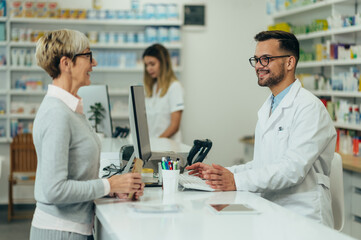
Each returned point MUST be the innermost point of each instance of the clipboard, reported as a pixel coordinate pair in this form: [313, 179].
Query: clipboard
[137, 168]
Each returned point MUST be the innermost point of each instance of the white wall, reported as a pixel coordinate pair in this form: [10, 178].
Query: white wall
[222, 95]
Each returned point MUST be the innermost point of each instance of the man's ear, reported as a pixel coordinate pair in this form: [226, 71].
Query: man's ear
[291, 63]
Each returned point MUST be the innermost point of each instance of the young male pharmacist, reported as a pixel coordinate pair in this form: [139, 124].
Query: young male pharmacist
[294, 139]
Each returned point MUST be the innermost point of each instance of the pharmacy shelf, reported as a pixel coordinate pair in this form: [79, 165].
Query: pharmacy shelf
[26, 69]
[307, 8]
[336, 31]
[105, 45]
[325, 63]
[119, 69]
[22, 44]
[336, 93]
[356, 127]
[22, 116]
[3, 116]
[4, 140]
[95, 69]
[133, 45]
[27, 92]
[118, 92]
[115, 22]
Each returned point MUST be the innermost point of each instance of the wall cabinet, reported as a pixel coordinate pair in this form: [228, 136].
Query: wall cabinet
[23, 84]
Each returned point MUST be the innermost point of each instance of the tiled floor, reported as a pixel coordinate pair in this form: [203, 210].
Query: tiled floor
[18, 229]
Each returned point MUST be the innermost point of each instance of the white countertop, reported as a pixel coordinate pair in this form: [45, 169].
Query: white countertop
[196, 221]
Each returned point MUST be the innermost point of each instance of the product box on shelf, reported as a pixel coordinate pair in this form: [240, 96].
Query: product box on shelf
[2, 32]
[20, 126]
[2, 8]
[2, 130]
[53, 11]
[40, 10]
[24, 107]
[28, 8]
[2, 106]
[16, 9]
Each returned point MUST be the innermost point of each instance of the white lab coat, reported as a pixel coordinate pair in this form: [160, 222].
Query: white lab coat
[159, 109]
[293, 151]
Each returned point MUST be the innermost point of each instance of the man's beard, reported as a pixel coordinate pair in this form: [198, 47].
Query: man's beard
[272, 80]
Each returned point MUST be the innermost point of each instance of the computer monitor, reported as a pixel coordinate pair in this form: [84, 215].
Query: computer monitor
[94, 94]
[138, 126]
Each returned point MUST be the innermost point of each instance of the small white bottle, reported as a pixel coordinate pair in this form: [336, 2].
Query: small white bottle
[97, 4]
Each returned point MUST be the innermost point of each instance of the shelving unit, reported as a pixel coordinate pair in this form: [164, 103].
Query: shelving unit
[330, 68]
[117, 78]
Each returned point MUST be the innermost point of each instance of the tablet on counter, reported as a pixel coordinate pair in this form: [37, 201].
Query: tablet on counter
[233, 208]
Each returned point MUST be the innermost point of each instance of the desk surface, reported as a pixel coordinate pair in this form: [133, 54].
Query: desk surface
[196, 221]
[351, 163]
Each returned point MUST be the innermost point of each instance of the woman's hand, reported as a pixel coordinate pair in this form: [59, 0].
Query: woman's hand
[127, 183]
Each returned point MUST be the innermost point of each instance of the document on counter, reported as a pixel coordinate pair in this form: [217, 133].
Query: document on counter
[155, 208]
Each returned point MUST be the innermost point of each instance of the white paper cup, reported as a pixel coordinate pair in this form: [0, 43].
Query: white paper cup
[170, 181]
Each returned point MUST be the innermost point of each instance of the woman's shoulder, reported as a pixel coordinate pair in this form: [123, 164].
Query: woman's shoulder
[175, 85]
[53, 108]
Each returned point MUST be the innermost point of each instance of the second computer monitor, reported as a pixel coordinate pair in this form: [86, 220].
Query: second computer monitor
[97, 94]
[138, 123]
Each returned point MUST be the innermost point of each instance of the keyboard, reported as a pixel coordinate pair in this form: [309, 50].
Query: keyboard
[193, 182]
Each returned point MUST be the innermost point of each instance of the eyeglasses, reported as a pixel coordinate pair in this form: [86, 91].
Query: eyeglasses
[264, 60]
[85, 54]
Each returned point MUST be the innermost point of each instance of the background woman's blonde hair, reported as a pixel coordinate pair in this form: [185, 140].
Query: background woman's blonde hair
[51, 47]
[166, 74]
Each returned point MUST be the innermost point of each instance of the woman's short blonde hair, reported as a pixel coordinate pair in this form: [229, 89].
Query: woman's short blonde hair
[54, 45]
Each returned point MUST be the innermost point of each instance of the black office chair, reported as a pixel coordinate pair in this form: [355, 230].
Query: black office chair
[122, 132]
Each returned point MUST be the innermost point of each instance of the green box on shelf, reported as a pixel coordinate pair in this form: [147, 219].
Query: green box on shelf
[2, 31]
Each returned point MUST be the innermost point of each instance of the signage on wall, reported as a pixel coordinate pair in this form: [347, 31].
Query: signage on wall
[195, 15]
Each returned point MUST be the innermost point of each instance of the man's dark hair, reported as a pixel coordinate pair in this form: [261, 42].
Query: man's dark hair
[287, 41]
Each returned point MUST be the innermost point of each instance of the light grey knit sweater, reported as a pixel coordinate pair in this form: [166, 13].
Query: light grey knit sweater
[68, 154]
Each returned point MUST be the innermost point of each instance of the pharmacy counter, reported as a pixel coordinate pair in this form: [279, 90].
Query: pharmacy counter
[351, 163]
[115, 219]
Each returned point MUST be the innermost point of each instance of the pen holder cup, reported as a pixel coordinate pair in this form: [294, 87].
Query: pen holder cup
[170, 181]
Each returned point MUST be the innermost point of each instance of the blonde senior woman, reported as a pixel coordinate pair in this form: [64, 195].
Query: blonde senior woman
[67, 147]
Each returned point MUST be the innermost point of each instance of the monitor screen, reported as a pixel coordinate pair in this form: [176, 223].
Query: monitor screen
[138, 123]
[97, 94]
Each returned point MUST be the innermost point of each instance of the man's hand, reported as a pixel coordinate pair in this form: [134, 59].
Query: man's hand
[219, 178]
[198, 168]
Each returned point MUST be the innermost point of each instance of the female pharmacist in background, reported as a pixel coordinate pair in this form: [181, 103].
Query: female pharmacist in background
[67, 147]
[164, 94]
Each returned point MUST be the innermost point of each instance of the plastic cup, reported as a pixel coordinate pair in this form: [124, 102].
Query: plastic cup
[170, 181]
